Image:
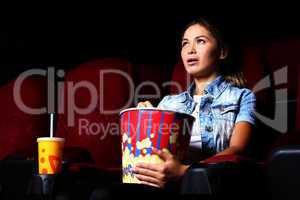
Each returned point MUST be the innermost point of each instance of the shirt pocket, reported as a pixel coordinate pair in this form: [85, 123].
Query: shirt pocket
[227, 112]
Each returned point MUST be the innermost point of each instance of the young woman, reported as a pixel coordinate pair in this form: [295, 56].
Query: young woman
[223, 108]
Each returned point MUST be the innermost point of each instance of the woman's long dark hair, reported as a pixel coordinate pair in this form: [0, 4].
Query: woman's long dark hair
[228, 67]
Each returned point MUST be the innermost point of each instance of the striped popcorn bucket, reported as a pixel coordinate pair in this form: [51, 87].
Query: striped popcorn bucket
[144, 128]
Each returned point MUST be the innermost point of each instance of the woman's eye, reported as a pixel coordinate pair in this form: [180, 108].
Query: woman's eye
[183, 44]
[201, 41]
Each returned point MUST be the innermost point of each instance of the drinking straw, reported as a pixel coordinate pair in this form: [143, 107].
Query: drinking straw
[51, 124]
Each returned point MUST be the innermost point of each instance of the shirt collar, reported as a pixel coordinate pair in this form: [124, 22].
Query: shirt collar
[214, 88]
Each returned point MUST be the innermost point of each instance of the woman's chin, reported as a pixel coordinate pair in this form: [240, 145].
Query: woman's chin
[195, 73]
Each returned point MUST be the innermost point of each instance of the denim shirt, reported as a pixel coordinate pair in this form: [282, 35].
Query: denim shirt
[222, 105]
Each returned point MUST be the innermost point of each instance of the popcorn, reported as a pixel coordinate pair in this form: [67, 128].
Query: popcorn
[146, 143]
[124, 137]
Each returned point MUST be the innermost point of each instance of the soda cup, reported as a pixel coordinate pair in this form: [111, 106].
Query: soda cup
[50, 151]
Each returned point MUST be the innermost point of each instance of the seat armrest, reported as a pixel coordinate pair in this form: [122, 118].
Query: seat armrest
[221, 176]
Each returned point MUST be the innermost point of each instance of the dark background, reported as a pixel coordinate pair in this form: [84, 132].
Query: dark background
[44, 37]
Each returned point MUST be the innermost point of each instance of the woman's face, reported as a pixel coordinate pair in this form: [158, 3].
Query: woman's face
[200, 52]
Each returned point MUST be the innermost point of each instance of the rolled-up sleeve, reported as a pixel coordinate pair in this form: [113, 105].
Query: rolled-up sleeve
[162, 104]
[247, 108]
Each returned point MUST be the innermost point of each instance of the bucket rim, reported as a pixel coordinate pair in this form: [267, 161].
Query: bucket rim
[155, 109]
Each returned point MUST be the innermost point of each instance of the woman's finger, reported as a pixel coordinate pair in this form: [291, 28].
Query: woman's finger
[150, 184]
[140, 105]
[148, 179]
[163, 155]
[144, 104]
[148, 104]
[146, 172]
[149, 166]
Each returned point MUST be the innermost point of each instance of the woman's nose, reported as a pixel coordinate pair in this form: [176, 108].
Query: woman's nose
[192, 49]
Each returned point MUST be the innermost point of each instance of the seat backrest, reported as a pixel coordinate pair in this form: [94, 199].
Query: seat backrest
[283, 173]
[280, 54]
[258, 73]
[96, 131]
[19, 129]
[280, 62]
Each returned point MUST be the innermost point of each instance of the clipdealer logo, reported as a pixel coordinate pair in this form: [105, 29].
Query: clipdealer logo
[279, 122]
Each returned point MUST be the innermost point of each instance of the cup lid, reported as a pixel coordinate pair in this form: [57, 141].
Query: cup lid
[50, 139]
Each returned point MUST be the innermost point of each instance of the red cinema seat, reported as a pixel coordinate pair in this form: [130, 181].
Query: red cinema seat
[293, 136]
[284, 54]
[284, 161]
[255, 70]
[19, 129]
[259, 79]
[96, 131]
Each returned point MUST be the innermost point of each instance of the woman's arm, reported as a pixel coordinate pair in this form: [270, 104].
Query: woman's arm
[239, 140]
[245, 121]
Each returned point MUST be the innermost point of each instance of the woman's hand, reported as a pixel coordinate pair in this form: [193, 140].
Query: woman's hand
[158, 175]
[144, 104]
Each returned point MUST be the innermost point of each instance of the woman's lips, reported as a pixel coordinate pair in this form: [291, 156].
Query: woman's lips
[192, 61]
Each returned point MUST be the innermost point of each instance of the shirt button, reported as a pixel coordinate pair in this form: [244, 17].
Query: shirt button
[208, 128]
[209, 100]
[189, 110]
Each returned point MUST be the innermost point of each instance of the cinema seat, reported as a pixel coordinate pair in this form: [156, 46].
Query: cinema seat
[19, 130]
[284, 162]
[281, 54]
[100, 136]
[18, 133]
[259, 74]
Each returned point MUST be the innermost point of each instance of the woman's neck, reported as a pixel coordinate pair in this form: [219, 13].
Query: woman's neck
[202, 82]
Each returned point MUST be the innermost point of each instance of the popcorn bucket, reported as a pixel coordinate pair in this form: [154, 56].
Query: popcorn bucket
[144, 128]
